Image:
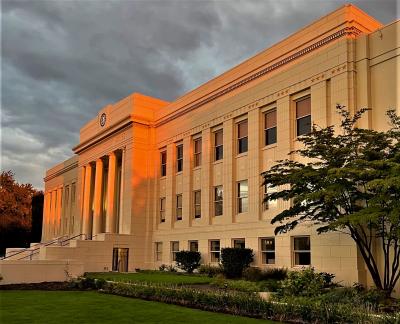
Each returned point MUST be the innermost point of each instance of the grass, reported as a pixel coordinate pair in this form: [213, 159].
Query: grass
[92, 307]
[153, 277]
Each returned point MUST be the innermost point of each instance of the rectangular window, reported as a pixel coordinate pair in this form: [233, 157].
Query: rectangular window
[215, 251]
[197, 204]
[158, 249]
[174, 249]
[303, 116]
[179, 158]
[162, 210]
[73, 192]
[301, 251]
[218, 200]
[242, 131]
[179, 207]
[267, 250]
[219, 145]
[242, 196]
[197, 152]
[163, 158]
[271, 203]
[194, 246]
[239, 243]
[270, 127]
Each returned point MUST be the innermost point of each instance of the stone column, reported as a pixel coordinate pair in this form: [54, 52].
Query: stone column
[87, 221]
[98, 190]
[111, 199]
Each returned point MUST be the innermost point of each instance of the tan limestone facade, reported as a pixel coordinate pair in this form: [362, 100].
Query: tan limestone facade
[150, 177]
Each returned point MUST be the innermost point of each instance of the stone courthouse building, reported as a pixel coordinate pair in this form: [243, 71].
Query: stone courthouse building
[149, 178]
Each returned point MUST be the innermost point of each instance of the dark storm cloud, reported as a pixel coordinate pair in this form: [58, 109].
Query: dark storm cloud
[64, 60]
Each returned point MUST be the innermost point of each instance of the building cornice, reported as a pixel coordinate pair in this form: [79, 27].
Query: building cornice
[61, 171]
[349, 32]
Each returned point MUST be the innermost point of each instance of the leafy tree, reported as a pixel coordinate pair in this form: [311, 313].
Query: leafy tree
[188, 260]
[15, 212]
[349, 183]
[235, 260]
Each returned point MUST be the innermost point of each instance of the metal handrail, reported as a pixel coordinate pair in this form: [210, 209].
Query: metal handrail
[59, 242]
[38, 246]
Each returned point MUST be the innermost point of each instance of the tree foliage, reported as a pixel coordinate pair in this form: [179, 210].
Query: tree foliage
[188, 260]
[349, 182]
[15, 211]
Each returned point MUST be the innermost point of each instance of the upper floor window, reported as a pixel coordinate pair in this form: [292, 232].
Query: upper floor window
[162, 210]
[303, 116]
[163, 163]
[301, 251]
[197, 204]
[219, 145]
[242, 196]
[197, 152]
[218, 200]
[267, 204]
[179, 207]
[179, 158]
[268, 250]
[270, 127]
[242, 131]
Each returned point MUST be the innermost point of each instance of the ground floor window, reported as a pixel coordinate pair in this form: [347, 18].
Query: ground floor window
[215, 250]
[239, 243]
[120, 259]
[158, 248]
[194, 246]
[174, 249]
[267, 250]
[301, 251]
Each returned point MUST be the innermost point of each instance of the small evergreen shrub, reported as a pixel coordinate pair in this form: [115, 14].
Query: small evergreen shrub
[188, 260]
[275, 273]
[209, 270]
[252, 274]
[306, 282]
[235, 260]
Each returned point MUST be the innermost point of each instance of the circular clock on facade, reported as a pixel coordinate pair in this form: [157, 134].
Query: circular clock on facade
[103, 119]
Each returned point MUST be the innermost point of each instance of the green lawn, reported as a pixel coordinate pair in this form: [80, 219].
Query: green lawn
[93, 307]
[154, 277]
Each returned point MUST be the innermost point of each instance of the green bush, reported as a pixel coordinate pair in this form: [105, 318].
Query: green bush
[252, 274]
[209, 270]
[235, 260]
[306, 282]
[296, 310]
[188, 260]
[238, 285]
[275, 273]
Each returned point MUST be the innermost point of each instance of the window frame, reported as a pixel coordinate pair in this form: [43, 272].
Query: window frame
[214, 252]
[162, 203]
[219, 201]
[294, 251]
[242, 139]
[240, 198]
[267, 251]
[163, 164]
[218, 148]
[196, 204]
[197, 155]
[173, 252]
[179, 157]
[267, 129]
[190, 245]
[298, 119]
[236, 240]
[178, 207]
[158, 251]
[269, 204]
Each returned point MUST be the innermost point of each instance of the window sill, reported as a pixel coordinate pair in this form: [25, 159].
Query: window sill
[218, 162]
[241, 155]
[163, 177]
[268, 147]
[197, 168]
[179, 173]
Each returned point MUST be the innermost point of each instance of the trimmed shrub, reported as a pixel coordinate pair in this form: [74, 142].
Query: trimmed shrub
[235, 260]
[306, 282]
[275, 273]
[188, 260]
[252, 274]
[209, 270]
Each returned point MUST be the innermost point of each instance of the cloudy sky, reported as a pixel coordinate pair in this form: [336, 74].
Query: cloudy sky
[64, 60]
